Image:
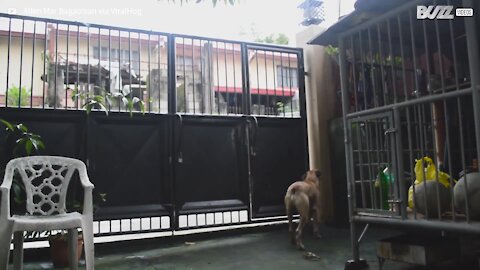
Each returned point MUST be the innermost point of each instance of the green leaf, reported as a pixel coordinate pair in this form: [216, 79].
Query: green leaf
[22, 127]
[28, 147]
[7, 124]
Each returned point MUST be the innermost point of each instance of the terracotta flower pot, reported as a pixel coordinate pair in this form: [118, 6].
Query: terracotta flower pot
[59, 251]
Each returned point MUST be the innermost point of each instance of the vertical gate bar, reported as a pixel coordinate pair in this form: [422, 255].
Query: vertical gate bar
[99, 80]
[21, 65]
[399, 163]
[139, 76]
[258, 82]
[159, 61]
[275, 82]
[290, 84]
[218, 77]
[234, 80]
[348, 156]
[462, 154]
[78, 67]
[120, 81]
[369, 151]
[424, 151]
[44, 65]
[149, 100]
[283, 83]
[185, 103]
[88, 61]
[392, 61]
[379, 163]
[457, 87]
[226, 76]
[210, 76]
[362, 61]
[193, 74]
[372, 69]
[361, 164]
[8, 55]
[56, 66]
[130, 65]
[110, 66]
[402, 53]
[246, 98]
[302, 94]
[472, 46]
[33, 61]
[383, 87]
[267, 105]
[172, 95]
[435, 119]
[354, 71]
[201, 45]
[427, 51]
[67, 67]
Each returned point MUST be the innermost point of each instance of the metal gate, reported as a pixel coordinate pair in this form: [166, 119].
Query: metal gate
[224, 130]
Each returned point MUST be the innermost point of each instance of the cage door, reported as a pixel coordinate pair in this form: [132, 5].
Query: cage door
[373, 165]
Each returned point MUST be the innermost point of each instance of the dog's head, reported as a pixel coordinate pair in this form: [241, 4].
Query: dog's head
[312, 175]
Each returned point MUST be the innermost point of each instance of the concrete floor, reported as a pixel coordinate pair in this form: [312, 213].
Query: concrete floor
[265, 249]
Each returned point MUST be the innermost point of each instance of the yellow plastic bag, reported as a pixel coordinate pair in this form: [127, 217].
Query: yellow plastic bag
[430, 174]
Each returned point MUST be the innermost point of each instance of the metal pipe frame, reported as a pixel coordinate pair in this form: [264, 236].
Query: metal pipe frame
[418, 113]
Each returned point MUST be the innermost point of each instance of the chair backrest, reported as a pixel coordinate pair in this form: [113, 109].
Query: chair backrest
[46, 180]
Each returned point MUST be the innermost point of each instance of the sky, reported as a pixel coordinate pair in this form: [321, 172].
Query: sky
[235, 22]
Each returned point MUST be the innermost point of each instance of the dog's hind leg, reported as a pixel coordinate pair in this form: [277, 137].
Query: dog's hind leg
[289, 211]
[303, 211]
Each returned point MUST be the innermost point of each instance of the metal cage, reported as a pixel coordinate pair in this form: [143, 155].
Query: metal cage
[411, 111]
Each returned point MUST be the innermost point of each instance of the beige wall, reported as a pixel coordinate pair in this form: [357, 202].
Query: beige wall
[320, 95]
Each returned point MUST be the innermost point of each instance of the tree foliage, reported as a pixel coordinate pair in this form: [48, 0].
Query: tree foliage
[214, 2]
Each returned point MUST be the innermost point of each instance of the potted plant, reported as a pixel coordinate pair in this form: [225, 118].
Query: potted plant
[24, 143]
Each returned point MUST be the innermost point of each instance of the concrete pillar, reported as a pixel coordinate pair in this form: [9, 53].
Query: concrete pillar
[320, 83]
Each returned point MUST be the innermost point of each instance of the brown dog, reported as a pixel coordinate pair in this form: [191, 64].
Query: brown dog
[305, 197]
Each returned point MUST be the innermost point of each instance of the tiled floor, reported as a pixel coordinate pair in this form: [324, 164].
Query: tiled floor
[266, 249]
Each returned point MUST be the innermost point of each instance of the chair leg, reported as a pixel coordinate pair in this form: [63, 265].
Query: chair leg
[72, 248]
[87, 230]
[5, 240]
[18, 250]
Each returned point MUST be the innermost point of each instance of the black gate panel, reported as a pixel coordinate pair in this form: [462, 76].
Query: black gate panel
[129, 162]
[278, 158]
[210, 164]
[62, 134]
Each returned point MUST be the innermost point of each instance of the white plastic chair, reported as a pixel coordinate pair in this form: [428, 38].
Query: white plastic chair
[46, 180]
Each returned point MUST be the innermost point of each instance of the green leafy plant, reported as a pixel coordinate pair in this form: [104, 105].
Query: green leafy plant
[129, 102]
[26, 143]
[332, 51]
[18, 97]
[91, 101]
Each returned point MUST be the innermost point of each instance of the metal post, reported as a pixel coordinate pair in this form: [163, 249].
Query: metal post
[172, 80]
[246, 101]
[302, 95]
[356, 263]
[473, 56]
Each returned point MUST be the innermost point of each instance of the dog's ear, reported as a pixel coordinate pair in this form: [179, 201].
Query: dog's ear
[318, 173]
[304, 176]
